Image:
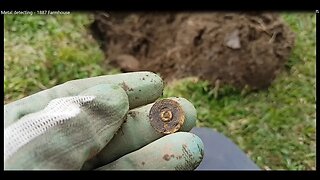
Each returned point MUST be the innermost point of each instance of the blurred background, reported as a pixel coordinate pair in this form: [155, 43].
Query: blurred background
[251, 76]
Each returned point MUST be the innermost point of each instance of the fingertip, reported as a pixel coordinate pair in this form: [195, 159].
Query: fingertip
[142, 87]
[192, 149]
[178, 151]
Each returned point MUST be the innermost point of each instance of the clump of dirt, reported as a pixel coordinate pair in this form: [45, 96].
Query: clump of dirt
[235, 48]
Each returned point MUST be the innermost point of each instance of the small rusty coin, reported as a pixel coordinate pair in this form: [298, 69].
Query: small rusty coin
[166, 116]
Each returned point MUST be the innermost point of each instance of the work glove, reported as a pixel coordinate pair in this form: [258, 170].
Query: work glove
[105, 123]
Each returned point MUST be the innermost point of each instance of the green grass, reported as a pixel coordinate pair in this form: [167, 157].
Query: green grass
[42, 51]
[275, 127]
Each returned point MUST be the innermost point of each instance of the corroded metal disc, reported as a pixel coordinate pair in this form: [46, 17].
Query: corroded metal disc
[166, 116]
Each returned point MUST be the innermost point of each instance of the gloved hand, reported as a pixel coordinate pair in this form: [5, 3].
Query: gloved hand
[101, 122]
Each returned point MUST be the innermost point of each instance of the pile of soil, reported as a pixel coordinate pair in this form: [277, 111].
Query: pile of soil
[235, 48]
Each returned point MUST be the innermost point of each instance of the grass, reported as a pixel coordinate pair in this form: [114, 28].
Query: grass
[43, 51]
[275, 127]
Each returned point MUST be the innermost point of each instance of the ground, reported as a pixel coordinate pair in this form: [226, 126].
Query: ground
[275, 126]
[242, 49]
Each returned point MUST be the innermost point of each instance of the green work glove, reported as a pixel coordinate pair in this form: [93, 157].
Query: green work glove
[100, 123]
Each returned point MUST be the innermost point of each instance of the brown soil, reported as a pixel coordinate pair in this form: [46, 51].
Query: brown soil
[235, 48]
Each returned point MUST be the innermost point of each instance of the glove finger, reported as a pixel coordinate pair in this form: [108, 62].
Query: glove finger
[137, 132]
[178, 151]
[141, 87]
[68, 131]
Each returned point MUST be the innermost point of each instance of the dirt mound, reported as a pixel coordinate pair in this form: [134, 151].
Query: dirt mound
[235, 48]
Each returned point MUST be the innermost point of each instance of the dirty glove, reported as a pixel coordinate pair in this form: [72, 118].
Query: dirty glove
[102, 122]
